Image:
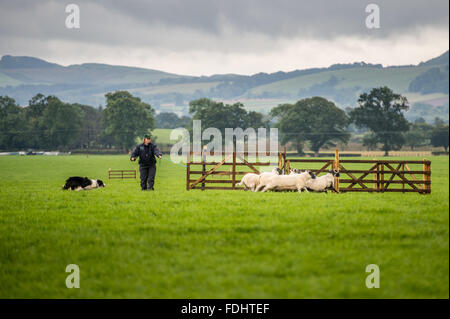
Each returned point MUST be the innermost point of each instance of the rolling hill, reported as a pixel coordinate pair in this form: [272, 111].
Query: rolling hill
[23, 77]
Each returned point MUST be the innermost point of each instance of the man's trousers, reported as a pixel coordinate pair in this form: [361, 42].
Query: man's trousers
[147, 176]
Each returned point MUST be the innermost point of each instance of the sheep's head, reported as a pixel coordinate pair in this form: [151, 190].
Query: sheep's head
[334, 172]
[308, 174]
[277, 171]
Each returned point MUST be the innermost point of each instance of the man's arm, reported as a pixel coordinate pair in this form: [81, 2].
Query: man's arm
[134, 154]
[156, 151]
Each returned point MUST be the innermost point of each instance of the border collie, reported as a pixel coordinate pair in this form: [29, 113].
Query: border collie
[77, 183]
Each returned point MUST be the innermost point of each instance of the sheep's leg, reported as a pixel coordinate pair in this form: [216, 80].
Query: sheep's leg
[266, 188]
[259, 187]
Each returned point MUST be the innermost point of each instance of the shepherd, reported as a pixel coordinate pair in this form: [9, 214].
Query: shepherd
[147, 162]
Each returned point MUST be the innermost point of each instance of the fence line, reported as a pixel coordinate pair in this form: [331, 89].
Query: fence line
[386, 174]
[121, 173]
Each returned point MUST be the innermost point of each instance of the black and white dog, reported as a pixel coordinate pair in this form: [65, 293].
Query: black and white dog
[77, 183]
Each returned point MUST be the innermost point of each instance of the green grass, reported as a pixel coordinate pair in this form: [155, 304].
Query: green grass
[162, 136]
[214, 244]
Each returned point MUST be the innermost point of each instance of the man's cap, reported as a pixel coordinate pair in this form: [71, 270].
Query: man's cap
[147, 136]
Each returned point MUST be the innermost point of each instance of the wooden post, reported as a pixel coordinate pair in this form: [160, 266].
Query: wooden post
[188, 168]
[234, 169]
[403, 173]
[336, 167]
[280, 156]
[284, 160]
[382, 178]
[203, 166]
[375, 178]
[427, 176]
[288, 167]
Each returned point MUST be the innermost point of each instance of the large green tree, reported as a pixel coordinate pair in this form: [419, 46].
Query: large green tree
[439, 136]
[418, 134]
[171, 120]
[314, 120]
[62, 123]
[13, 126]
[126, 117]
[221, 116]
[91, 130]
[381, 111]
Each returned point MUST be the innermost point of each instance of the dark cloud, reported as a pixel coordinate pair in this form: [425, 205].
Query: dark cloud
[322, 18]
[274, 18]
[233, 30]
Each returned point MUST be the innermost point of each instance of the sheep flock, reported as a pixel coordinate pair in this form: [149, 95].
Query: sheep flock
[297, 180]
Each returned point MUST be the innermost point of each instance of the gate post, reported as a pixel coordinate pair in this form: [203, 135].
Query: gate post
[336, 167]
[188, 168]
[375, 177]
[403, 173]
[280, 161]
[427, 176]
[203, 165]
[234, 169]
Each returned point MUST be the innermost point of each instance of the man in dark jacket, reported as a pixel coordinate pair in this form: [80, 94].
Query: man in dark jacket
[147, 163]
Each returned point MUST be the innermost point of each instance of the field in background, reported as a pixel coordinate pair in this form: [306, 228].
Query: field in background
[397, 78]
[214, 244]
[162, 136]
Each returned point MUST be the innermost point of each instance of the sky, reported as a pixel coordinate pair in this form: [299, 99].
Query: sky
[204, 37]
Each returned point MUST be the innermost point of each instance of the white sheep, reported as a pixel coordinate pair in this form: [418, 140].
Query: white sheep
[265, 176]
[323, 183]
[288, 182]
[250, 181]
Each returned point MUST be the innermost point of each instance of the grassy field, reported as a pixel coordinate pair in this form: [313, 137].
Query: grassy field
[171, 243]
[162, 136]
[395, 78]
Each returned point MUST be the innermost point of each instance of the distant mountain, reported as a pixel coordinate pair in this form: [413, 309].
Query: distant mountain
[442, 59]
[24, 62]
[24, 77]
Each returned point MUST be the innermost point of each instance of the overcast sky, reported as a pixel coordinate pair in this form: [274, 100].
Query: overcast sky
[203, 37]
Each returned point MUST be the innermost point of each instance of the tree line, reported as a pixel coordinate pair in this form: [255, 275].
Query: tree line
[49, 123]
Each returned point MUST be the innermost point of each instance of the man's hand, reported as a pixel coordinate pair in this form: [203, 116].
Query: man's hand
[133, 159]
[159, 156]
